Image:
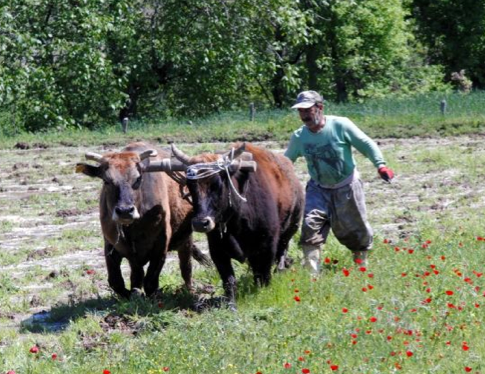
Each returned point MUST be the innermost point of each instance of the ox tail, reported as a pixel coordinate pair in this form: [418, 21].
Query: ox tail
[200, 257]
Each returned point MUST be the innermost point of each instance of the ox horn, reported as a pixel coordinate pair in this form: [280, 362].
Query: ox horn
[148, 153]
[235, 153]
[179, 155]
[93, 156]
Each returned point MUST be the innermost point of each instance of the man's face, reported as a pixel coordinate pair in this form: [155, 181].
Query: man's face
[311, 117]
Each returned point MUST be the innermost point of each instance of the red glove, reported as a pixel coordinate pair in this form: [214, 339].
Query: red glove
[386, 173]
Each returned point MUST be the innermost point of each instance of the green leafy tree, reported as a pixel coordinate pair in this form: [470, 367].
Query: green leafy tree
[454, 32]
[55, 68]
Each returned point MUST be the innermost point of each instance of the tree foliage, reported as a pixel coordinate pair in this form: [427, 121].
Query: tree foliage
[89, 62]
[454, 31]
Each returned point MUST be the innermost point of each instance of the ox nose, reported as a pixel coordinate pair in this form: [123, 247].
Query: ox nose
[205, 224]
[125, 211]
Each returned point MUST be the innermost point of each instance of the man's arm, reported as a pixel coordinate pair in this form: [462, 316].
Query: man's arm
[365, 145]
[293, 150]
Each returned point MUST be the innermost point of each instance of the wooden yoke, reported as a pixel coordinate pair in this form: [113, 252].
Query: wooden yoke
[168, 165]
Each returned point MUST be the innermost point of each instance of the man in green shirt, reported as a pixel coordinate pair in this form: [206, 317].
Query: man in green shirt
[334, 195]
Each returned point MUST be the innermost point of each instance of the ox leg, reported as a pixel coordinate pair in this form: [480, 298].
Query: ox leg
[157, 260]
[185, 260]
[113, 265]
[262, 262]
[282, 260]
[136, 277]
[223, 264]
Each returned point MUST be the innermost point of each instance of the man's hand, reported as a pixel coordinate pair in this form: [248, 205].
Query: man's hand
[386, 173]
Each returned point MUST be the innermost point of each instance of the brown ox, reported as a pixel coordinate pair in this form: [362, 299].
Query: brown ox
[142, 216]
[245, 214]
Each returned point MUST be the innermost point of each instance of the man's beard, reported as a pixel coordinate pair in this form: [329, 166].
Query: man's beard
[315, 121]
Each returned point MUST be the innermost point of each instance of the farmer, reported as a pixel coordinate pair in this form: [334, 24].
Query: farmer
[334, 195]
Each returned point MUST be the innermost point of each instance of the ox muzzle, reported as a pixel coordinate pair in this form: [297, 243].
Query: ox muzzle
[203, 224]
[125, 214]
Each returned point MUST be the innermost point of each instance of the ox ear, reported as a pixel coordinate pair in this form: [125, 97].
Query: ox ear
[89, 170]
[235, 153]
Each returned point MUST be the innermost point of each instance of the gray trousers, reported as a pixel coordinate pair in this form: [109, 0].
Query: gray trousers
[342, 210]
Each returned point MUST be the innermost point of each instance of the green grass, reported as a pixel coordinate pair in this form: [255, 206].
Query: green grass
[427, 229]
[383, 118]
[405, 289]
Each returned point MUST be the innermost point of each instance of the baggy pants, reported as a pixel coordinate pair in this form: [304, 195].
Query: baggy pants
[342, 210]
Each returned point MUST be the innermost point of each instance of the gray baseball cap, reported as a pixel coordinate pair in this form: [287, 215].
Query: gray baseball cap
[307, 99]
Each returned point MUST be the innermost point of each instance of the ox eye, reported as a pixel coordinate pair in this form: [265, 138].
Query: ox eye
[137, 183]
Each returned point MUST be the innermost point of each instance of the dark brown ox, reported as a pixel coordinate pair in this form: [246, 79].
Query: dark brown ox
[142, 216]
[246, 215]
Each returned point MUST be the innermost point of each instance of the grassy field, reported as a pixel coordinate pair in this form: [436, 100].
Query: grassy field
[417, 308]
[386, 118]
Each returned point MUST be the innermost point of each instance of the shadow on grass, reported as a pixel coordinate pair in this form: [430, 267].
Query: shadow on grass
[122, 314]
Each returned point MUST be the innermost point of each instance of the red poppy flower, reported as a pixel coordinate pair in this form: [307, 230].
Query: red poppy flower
[465, 347]
[385, 241]
[34, 349]
[373, 319]
[370, 275]
[403, 274]
[305, 371]
[105, 371]
[409, 353]
[346, 272]
[327, 260]
[54, 356]
[358, 261]
[344, 310]
[449, 292]
[166, 368]
[90, 272]
[410, 251]
[468, 369]
[287, 365]
[364, 289]
[334, 367]
[297, 298]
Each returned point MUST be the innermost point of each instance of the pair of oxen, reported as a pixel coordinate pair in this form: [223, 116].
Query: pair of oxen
[248, 201]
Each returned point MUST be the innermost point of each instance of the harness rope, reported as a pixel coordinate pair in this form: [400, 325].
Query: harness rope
[207, 169]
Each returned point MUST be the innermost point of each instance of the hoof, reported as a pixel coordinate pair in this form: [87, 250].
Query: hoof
[136, 294]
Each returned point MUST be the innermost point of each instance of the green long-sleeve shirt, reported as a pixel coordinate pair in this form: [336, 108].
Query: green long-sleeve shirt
[328, 153]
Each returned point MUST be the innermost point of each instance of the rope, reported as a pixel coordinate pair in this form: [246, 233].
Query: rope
[207, 169]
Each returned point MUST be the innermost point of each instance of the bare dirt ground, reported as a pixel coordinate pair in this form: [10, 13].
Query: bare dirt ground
[50, 239]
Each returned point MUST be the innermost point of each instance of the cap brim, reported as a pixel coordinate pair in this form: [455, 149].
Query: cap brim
[304, 105]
